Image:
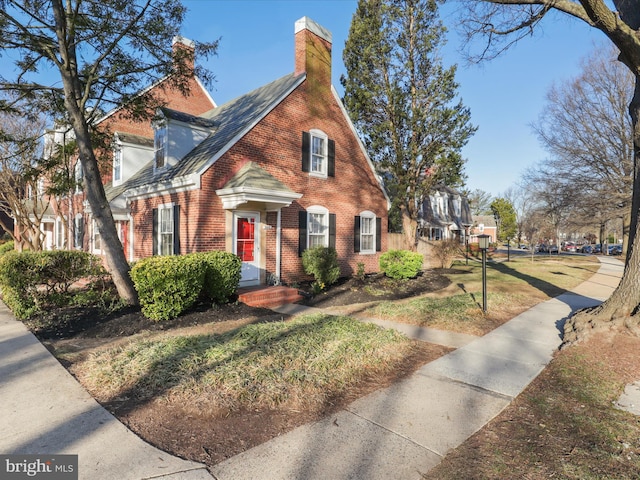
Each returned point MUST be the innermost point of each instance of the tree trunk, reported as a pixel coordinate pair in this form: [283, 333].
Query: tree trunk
[621, 308]
[117, 264]
[409, 229]
[74, 99]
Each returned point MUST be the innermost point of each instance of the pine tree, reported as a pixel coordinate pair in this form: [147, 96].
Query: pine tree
[402, 101]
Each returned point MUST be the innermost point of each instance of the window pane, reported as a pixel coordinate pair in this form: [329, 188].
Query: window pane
[165, 229]
[317, 154]
[117, 164]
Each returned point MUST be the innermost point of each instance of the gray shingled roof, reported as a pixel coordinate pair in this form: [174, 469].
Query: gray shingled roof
[231, 120]
[252, 177]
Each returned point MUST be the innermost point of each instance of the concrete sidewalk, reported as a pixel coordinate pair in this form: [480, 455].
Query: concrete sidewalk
[399, 432]
[405, 430]
[44, 410]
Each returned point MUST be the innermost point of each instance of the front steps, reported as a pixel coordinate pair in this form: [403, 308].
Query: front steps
[267, 297]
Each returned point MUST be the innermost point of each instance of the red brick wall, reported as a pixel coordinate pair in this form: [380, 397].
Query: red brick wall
[275, 144]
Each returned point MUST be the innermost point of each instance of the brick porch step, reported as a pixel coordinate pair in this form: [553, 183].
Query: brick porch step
[266, 297]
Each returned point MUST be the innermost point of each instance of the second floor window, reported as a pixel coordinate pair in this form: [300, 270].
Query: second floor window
[318, 154]
[160, 145]
[117, 165]
[78, 176]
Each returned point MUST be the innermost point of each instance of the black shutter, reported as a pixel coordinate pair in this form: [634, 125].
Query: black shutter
[331, 166]
[356, 234]
[306, 152]
[176, 230]
[154, 234]
[378, 234]
[332, 230]
[302, 231]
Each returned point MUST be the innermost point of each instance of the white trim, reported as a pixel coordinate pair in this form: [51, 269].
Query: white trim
[316, 133]
[234, 197]
[160, 208]
[257, 254]
[278, 244]
[318, 210]
[372, 216]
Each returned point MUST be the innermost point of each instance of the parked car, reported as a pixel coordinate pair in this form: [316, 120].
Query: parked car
[569, 247]
[597, 248]
[586, 249]
[615, 249]
[553, 249]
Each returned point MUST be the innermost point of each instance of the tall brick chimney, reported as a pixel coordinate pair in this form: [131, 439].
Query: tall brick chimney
[313, 52]
[184, 53]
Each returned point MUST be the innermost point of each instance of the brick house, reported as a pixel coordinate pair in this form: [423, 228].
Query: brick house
[484, 225]
[264, 176]
[67, 222]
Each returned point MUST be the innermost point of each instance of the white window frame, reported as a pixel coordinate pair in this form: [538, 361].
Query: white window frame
[96, 241]
[321, 155]
[317, 226]
[367, 218]
[61, 234]
[160, 141]
[168, 233]
[77, 229]
[79, 176]
[457, 205]
[117, 165]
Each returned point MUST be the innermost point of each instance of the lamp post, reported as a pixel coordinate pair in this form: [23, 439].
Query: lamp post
[508, 248]
[483, 244]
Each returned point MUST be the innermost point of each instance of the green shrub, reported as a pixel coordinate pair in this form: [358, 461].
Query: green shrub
[168, 285]
[6, 247]
[322, 263]
[30, 280]
[222, 276]
[400, 264]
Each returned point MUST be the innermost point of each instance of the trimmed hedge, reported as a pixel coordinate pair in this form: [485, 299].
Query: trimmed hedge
[30, 280]
[169, 285]
[399, 264]
[223, 275]
[6, 247]
[322, 263]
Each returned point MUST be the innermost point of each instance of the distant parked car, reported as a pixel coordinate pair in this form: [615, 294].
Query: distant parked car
[523, 246]
[553, 249]
[597, 248]
[569, 247]
[615, 249]
[542, 248]
[586, 249]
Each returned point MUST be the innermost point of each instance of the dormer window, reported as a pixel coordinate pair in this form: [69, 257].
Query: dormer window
[160, 144]
[78, 176]
[117, 165]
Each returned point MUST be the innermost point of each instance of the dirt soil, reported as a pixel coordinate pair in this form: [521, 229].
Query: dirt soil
[204, 437]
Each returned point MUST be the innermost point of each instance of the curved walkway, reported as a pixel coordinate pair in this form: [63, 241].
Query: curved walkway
[399, 432]
[405, 430]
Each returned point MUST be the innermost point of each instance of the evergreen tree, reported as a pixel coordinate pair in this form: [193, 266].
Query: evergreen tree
[402, 101]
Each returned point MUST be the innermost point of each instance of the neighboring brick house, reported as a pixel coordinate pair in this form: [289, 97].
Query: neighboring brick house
[444, 214]
[68, 221]
[484, 224]
[264, 176]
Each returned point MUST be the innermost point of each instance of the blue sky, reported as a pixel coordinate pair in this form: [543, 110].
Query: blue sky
[505, 95]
